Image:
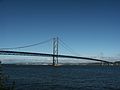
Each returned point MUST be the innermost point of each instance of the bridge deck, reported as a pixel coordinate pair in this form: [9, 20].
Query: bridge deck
[47, 55]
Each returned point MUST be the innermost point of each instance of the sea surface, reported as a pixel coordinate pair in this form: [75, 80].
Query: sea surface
[71, 77]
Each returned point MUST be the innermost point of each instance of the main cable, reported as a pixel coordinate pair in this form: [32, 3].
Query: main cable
[67, 47]
[26, 46]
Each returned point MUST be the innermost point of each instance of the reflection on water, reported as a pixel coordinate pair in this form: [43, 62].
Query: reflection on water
[64, 77]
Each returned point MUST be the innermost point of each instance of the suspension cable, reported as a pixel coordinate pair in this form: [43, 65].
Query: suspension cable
[67, 47]
[26, 46]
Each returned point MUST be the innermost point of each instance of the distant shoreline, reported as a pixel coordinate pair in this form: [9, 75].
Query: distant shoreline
[88, 64]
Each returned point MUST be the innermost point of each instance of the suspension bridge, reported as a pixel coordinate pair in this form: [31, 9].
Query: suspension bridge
[55, 55]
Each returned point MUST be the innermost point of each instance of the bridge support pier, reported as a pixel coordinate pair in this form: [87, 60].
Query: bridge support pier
[55, 51]
[102, 63]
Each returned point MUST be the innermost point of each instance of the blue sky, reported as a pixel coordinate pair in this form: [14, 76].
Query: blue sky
[89, 27]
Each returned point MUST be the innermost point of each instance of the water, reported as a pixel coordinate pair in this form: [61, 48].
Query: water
[37, 77]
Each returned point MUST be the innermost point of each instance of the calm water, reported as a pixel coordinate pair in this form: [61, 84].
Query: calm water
[64, 77]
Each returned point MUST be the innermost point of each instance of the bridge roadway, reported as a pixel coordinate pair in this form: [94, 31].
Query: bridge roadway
[48, 55]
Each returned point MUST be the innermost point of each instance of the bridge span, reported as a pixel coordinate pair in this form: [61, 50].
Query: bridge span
[48, 55]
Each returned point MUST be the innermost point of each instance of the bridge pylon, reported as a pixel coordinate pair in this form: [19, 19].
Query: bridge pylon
[55, 51]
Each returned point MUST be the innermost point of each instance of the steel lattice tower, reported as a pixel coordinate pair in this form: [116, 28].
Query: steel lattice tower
[55, 51]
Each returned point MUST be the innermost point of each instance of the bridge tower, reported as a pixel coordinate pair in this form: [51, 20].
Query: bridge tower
[55, 51]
